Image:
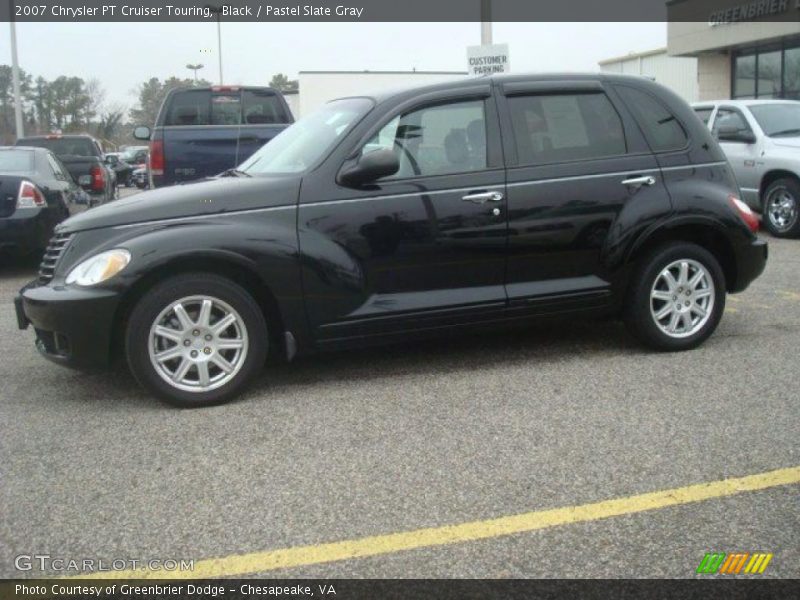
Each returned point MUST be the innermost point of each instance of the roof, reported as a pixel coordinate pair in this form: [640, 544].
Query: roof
[501, 78]
[749, 102]
[643, 54]
[367, 72]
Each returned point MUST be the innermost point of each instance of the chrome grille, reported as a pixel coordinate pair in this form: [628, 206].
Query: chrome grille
[58, 243]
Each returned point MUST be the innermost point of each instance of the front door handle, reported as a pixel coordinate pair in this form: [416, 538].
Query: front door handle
[640, 181]
[482, 197]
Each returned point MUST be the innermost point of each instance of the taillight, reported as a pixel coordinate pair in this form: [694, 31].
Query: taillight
[157, 157]
[98, 178]
[29, 196]
[748, 216]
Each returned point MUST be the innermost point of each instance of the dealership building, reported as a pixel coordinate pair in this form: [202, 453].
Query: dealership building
[746, 50]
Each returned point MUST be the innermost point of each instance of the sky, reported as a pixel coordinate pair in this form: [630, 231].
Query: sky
[122, 55]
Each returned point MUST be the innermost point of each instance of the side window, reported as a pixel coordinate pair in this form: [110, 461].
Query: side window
[704, 114]
[565, 127]
[729, 118]
[436, 140]
[261, 107]
[189, 108]
[661, 128]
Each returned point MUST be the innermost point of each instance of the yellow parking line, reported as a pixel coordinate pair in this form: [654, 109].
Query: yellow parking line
[269, 560]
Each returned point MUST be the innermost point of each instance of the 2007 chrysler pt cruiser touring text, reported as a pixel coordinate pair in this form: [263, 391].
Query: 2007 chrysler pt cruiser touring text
[483, 202]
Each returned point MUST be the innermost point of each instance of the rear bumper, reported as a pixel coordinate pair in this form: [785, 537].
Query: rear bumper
[73, 326]
[25, 233]
[751, 259]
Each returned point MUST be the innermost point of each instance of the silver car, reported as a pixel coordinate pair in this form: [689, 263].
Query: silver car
[761, 139]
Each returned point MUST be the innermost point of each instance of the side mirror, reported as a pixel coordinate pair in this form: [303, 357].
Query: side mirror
[371, 166]
[111, 160]
[141, 133]
[731, 133]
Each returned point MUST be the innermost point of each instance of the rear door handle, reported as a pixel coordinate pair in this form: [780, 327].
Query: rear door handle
[482, 197]
[640, 181]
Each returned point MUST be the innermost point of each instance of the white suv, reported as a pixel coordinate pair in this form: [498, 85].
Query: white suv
[761, 139]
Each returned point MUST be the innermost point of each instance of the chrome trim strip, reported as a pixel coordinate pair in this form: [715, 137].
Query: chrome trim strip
[427, 193]
[700, 166]
[405, 195]
[581, 177]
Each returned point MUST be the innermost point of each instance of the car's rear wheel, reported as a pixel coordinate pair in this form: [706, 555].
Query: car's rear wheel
[676, 298]
[781, 208]
[196, 340]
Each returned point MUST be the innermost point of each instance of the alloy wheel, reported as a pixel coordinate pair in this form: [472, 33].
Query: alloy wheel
[682, 298]
[781, 209]
[198, 343]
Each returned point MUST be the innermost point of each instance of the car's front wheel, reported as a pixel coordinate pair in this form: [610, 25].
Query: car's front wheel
[676, 298]
[196, 340]
[781, 208]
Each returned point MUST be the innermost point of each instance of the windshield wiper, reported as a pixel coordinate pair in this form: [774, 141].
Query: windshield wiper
[794, 131]
[234, 173]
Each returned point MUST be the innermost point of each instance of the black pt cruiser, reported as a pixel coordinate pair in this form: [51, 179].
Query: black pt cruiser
[480, 203]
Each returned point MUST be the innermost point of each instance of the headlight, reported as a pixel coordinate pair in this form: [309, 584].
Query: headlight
[100, 267]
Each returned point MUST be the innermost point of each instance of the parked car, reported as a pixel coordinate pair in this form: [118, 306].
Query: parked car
[83, 157]
[141, 178]
[761, 139]
[122, 169]
[201, 132]
[477, 203]
[135, 155]
[35, 191]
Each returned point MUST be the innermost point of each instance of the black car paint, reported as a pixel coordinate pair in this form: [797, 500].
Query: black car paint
[351, 266]
[27, 230]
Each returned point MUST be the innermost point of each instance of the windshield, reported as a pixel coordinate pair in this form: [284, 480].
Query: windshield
[62, 146]
[301, 145]
[778, 119]
[16, 161]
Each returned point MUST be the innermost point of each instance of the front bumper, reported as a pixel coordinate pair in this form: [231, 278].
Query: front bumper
[751, 259]
[73, 326]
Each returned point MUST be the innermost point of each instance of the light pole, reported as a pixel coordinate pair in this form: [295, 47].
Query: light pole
[217, 10]
[194, 68]
[486, 22]
[15, 77]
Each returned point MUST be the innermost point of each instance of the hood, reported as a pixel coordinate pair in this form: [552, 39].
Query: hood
[787, 142]
[213, 196]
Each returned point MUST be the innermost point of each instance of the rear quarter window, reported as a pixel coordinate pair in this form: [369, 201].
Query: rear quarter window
[661, 128]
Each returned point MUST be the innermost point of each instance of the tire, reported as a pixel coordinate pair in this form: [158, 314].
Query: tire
[649, 295]
[178, 380]
[781, 208]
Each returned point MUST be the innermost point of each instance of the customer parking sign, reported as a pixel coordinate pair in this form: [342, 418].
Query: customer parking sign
[488, 59]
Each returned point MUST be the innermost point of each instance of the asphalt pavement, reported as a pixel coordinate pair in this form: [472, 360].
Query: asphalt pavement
[450, 431]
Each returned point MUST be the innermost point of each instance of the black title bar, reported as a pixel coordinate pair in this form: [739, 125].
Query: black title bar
[711, 11]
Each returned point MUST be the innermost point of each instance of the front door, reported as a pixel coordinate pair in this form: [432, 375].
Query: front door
[419, 249]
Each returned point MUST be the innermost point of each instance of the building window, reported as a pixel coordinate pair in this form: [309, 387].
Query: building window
[791, 73]
[770, 72]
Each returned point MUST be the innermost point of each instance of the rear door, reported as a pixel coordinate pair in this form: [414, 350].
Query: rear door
[577, 162]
